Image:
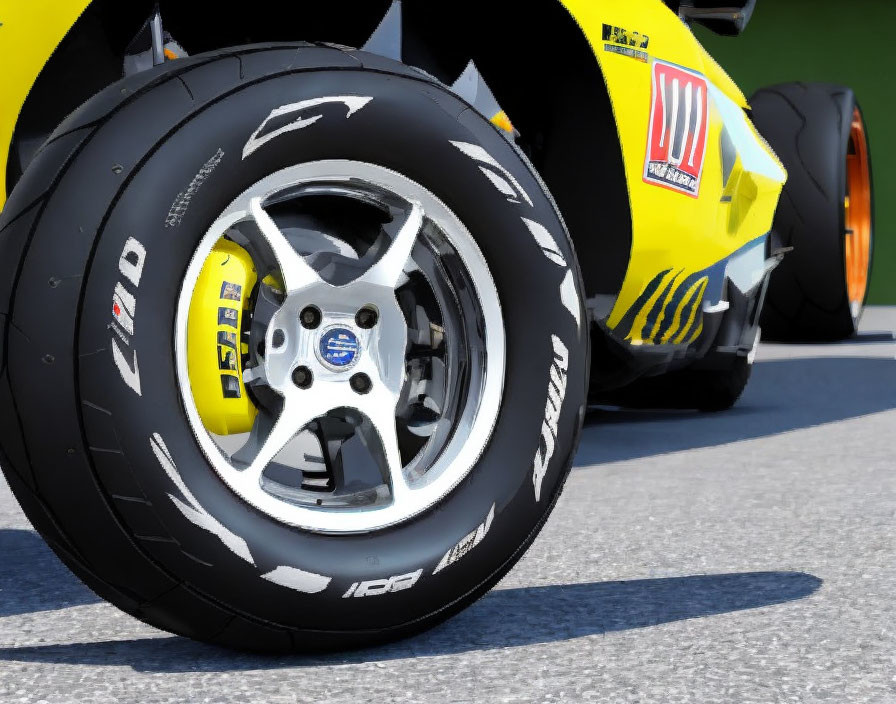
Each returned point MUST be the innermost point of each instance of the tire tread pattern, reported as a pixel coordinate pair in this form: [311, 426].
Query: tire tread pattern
[807, 125]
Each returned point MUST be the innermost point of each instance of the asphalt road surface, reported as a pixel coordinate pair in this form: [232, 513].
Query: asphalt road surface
[743, 557]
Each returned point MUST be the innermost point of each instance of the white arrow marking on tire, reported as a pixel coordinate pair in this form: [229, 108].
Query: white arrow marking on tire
[290, 577]
[570, 297]
[298, 580]
[510, 187]
[192, 509]
[353, 102]
[545, 241]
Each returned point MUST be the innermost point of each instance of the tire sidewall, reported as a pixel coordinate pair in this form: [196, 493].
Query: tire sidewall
[407, 127]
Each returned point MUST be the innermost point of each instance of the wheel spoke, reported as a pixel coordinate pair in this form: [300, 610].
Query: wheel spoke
[254, 375]
[388, 270]
[296, 272]
[292, 419]
[380, 409]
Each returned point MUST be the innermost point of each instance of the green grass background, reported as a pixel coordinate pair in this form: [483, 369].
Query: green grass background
[847, 42]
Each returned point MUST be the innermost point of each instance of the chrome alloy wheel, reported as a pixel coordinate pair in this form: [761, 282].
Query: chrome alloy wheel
[387, 336]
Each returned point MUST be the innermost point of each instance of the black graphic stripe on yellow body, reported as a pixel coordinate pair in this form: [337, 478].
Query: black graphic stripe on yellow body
[627, 323]
[686, 293]
[691, 316]
[669, 309]
[658, 308]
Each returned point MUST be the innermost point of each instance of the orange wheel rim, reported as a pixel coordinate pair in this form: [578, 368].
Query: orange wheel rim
[858, 214]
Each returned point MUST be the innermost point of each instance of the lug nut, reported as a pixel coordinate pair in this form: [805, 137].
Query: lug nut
[366, 318]
[310, 317]
[360, 383]
[302, 377]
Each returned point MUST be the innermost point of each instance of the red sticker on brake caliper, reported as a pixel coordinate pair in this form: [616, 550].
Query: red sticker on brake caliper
[676, 147]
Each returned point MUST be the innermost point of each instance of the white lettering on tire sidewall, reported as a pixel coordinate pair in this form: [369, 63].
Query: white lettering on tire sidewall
[378, 587]
[513, 192]
[124, 312]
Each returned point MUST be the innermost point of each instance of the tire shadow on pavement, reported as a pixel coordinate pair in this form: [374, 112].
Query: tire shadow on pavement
[504, 618]
[783, 395]
[33, 579]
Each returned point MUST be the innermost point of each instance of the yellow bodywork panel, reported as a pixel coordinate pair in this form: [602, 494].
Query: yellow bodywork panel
[698, 194]
[30, 31]
[214, 342]
[691, 210]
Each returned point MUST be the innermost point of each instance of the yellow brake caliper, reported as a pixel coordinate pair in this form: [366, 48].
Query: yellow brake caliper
[215, 347]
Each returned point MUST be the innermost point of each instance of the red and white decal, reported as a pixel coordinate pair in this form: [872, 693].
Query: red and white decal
[679, 121]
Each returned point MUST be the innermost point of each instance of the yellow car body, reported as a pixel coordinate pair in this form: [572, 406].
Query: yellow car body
[29, 33]
[723, 217]
[686, 236]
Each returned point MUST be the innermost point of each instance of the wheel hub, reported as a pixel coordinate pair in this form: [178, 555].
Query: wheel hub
[338, 348]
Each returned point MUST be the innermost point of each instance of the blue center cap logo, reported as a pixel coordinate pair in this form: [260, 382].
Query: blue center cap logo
[339, 348]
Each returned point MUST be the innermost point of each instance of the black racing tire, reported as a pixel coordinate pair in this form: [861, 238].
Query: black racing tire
[708, 390]
[76, 439]
[809, 127]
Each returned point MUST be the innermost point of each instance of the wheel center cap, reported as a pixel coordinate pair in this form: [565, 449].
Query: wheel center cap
[338, 348]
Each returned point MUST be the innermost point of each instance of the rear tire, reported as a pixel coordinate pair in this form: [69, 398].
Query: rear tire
[818, 292]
